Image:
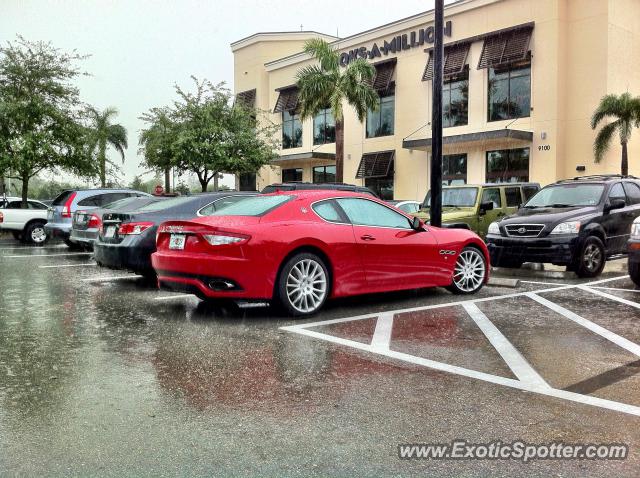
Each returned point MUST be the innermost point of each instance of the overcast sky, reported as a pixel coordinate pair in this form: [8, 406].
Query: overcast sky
[140, 48]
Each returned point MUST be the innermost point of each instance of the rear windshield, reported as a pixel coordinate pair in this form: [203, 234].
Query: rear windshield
[567, 195]
[253, 206]
[167, 203]
[62, 198]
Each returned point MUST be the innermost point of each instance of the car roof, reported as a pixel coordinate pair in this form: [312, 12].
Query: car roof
[320, 194]
[490, 185]
[596, 178]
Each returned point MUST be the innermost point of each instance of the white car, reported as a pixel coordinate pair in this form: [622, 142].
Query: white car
[26, 225]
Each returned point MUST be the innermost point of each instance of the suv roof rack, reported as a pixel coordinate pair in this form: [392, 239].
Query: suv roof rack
[599, 176]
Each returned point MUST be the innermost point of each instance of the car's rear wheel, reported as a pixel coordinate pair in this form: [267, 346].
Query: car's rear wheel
[470, 272]
[303, 285]
[35, 234]
[634, 272]
[592, 258]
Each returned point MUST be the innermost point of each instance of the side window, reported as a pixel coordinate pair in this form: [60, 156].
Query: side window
[513, 197]
[529, 192]
[616, 192]
[90, 201]
[208, 210]
[36, 205]
[633, 192]
[363, 212]
[14, 205]
[103, 199]
[493, 195]
[327, 211]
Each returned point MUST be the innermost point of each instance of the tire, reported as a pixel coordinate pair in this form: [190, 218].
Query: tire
[634, 272]
[35, 234]
[470, 272]
[17, 235]
[303, 285]
[592, 258]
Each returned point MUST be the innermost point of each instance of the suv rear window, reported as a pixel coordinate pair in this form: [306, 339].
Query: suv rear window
[62, 198]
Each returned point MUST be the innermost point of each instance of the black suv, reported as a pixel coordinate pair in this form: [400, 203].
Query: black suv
[272, 188]
[579, 222]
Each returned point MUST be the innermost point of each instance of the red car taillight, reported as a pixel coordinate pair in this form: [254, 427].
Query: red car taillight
[94, 222]
[224, 238]
[133, 228]
[66, 209]
[1, 217]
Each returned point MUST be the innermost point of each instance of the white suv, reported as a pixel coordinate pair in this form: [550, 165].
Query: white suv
[26, 225]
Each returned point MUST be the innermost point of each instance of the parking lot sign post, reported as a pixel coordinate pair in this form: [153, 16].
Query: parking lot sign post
[436, 118]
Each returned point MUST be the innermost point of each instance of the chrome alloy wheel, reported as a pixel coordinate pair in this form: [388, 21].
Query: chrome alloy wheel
[592, 257]
[470, 270]
[38, 236]
[306, 285]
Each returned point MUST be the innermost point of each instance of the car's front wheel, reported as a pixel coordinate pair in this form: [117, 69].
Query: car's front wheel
[35, 234]
[470, 272]
[634, 272]
[592, 258]
[303, 285]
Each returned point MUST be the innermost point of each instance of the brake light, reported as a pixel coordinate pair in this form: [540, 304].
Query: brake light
[94, 222]
[224, 239]
[66, 209]
[1, 217]
[133, 228]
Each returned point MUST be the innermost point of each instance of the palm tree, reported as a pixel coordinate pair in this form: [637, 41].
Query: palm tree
[324, 85]
[625, 110]
[105, 133]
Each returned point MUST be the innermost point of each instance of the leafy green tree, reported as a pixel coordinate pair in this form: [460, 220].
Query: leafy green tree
[106, 133]
[624, 110]
[213, 136]
[156, 142]
[325, 85]
[40, 113]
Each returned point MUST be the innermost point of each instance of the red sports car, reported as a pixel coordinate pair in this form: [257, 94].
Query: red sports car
[299, 248]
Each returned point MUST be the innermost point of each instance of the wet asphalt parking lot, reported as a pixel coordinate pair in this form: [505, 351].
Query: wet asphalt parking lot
[102, 375]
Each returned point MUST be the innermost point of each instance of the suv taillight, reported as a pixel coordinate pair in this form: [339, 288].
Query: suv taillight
[1, 217]
[66, 209]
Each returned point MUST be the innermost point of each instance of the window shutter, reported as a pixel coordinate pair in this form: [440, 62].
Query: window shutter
[246, 99]
[287, 100]
[375, 165]
[384, 74]
[504, 48]
[455, 58]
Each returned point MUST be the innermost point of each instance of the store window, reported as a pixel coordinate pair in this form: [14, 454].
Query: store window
[510, 91]
[292, 175]
[454, 169]
[381, 122]
[247, 181]
[324, 174]
[291, 130]
[508, 165]
[324, 127]
[455, 99]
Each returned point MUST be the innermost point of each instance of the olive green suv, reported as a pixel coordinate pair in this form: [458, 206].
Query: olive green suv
[475, 206]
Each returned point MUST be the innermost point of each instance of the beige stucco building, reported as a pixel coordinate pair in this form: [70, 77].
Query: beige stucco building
[522, 78]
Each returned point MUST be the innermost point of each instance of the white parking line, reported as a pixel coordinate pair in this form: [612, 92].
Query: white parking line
[614, 288]
[172, 297]
[516, 362]
[111, 278]
[89, 264]
[607, 334]
[30, 248]
[611, 297]
[382, 334]
[47, 255]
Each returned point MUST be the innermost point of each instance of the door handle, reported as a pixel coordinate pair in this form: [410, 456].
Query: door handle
[367, 237]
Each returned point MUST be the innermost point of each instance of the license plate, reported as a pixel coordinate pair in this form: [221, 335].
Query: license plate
[176, 241]
[110, 232]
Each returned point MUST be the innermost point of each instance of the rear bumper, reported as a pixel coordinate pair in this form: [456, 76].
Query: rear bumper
[116, 256]
[212, 276]
[59, 230]
[555, 250]
[88, 236]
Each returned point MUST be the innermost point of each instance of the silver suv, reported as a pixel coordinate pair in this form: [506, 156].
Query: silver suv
[60, 214]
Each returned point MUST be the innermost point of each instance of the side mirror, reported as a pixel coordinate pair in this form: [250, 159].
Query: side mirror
[486, 206]
[615, 204]
[416, 224]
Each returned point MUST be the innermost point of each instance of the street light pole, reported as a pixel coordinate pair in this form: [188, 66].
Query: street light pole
[436, 118]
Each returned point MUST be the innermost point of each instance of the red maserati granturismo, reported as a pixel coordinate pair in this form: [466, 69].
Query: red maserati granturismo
[300, 248]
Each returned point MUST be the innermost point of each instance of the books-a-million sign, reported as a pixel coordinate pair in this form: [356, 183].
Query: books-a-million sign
[396, 44]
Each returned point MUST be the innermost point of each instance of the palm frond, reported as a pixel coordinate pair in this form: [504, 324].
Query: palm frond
[603, 140]
[315, 88]
[117, 137]
[322, 51]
